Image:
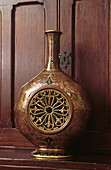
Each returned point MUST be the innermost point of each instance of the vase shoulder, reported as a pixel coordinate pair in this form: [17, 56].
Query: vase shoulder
[52, 78]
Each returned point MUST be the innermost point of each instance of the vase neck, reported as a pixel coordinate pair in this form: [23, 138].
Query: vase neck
[53, 47]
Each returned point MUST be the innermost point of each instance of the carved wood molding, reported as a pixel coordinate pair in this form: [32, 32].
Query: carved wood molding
[15, 2]
[5, 66]
[109, 52]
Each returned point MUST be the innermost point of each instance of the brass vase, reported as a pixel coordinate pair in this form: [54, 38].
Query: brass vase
[52, 110]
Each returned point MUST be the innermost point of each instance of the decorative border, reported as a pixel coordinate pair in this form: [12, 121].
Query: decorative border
[70, 109]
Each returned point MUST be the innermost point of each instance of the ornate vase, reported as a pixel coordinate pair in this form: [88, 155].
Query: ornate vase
[52, 109]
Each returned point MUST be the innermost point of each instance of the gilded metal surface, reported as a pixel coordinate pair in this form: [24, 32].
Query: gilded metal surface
[53, 43]
[53, 31]
[49, 110]
[44, 153]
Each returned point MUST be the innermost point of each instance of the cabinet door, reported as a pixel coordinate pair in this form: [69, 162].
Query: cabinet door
[85, 27]
[22, 49]
[92, 68]
[86, 34]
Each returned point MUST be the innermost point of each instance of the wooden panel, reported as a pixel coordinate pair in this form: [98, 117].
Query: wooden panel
[91, 56]
[14, 2]
[51, 17]
[6, 66]
[11, 138]
[0, 59]
[47, 164]
[66, 28]
[110, 62]
[29, 44]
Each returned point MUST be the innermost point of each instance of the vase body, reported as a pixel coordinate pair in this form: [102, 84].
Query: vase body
[52, 110]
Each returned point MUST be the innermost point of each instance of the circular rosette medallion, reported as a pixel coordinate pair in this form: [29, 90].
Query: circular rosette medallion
[49, 110]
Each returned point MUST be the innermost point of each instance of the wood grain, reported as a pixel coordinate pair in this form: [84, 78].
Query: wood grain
[15, 2]
[6, 67]
[51, 15]
[29, 44]
[66, 29]
[0, 59]
[91, 57]
[48, 164]
[13, 138]
[51, 19]
[110, 64]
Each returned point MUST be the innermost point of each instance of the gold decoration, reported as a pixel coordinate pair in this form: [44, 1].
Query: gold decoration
[49, 110]
[44, 153]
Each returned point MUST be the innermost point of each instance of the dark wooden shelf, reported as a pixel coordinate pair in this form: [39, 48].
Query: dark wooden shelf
[20, 158]
[15, 154]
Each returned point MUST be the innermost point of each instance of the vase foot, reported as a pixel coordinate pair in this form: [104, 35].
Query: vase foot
[55, 154]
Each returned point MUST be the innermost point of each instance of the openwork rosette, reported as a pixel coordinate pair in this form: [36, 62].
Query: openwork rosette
[49, 110]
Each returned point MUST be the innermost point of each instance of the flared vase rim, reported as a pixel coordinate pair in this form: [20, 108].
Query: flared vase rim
[53, 31]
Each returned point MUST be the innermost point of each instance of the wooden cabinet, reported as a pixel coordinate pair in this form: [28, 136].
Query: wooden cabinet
[86, 34]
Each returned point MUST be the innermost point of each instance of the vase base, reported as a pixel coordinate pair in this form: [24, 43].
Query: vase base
[55, 154]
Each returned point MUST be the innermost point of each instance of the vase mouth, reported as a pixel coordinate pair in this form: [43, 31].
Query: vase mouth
[53, 31]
